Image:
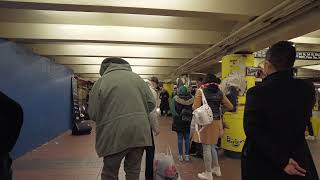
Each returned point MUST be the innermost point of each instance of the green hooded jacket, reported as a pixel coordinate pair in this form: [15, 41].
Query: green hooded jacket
[120, 102]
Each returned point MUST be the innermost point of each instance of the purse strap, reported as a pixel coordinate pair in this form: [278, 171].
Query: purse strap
[204, 100]
[169, 152]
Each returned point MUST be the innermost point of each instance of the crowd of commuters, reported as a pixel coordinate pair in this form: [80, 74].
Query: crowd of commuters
[123, 105]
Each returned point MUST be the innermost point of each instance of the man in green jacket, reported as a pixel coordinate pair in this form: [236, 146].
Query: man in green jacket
[120, 102]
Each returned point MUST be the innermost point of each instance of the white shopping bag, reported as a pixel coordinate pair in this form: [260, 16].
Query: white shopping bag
[165, 167]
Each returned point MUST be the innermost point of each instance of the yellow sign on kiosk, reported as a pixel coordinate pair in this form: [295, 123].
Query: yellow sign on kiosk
[234, 136]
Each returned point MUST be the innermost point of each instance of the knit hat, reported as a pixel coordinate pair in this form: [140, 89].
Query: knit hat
[106, 63]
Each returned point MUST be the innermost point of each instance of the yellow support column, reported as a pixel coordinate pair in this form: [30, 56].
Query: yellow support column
[234, 137]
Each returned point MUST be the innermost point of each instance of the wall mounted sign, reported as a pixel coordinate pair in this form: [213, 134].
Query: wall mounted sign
[301, 55]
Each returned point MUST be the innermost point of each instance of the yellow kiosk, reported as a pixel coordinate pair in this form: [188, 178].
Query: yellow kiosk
[234, 136]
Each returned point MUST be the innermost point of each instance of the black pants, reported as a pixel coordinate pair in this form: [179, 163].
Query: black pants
[5, 167]
[310, 129]
[150, 150]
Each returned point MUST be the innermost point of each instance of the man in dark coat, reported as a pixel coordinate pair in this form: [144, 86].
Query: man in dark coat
[11, 118]
[275, 117]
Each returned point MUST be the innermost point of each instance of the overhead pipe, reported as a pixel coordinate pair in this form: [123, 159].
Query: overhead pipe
[271, 35]
[282, 10]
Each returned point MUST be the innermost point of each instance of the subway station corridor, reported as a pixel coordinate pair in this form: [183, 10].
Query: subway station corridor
[65, 63]
[74, 158]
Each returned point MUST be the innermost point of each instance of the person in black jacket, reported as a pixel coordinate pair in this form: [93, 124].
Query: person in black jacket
[276, 113]
[164, 104]
[11, 117]
[182, 116]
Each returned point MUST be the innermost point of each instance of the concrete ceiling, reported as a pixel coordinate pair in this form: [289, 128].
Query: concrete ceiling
[156, 37]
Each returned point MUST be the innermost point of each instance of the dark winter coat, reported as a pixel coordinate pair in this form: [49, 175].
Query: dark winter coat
[11, 118]
[275, 117]
[182, 101]
[164, 104]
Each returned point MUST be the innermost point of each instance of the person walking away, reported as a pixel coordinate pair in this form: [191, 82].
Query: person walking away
[182, 117]
[164, 104]
[196, 148]
[153, 83]
[120, 103]
[211, 133]
[276, 113]
[11, 117]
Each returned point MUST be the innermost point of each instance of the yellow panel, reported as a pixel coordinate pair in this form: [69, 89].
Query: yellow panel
[234, 137]
[169, 88]
[250, 60]
[241, 100]
[251, 81]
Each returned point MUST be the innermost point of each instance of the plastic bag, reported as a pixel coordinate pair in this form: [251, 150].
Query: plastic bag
[165, 167]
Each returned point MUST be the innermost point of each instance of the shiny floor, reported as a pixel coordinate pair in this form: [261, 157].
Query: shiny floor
[74, 158]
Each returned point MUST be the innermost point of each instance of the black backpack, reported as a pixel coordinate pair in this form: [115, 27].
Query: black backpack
[186, 114]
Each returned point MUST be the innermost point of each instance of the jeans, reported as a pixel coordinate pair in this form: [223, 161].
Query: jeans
[210, 155]
[186, 137]
[132, 164]
[5, 167]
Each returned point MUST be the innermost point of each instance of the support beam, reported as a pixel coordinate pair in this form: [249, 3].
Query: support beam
[122, 50]
[164, 7]
[112, 19]
[137, 69]
[131, 61]
[285, 21]
[67, 32]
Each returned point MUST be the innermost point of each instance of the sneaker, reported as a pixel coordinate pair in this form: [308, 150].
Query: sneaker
[180, 158]
[311, 138]
[187, 157]
[217, 171]
[205, 176]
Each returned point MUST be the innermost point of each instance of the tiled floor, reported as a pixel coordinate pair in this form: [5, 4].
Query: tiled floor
[74, 158]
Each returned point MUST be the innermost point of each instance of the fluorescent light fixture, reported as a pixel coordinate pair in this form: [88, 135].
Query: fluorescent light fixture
[313, 67]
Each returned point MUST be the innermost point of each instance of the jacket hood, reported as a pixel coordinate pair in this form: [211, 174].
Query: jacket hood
[183, 91]
[184, 96]
[108, 67]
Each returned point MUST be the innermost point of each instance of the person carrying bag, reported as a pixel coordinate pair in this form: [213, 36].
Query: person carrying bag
[207, 123]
